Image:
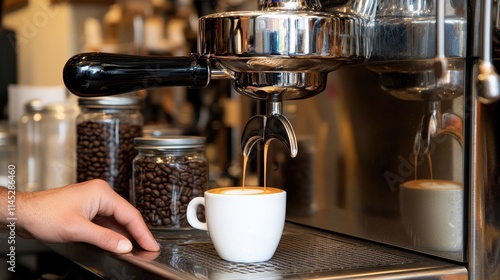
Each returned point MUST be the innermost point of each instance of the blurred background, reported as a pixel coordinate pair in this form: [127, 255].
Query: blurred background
[37, 37]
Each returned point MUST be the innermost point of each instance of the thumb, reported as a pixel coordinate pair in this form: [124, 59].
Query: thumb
[103, 238]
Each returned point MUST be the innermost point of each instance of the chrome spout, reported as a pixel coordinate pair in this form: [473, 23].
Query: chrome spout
[273, 126]
[434, 124]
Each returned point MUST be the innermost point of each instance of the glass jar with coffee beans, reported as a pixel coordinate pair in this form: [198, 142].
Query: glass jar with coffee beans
[106, 128]
[167, 173]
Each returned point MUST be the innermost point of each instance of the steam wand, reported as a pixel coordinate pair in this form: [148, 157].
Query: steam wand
[488, 80]
[273, 126]
[440, 61]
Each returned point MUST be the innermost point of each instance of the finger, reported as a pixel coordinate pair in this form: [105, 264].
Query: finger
[135, 225]
[111, 223]
[131, 219]
[101, 237]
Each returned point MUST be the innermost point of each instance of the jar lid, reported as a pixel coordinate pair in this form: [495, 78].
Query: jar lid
[54, 107]
[169, 142]
[7, 139]
[106, 102]
[34, 105]
[155, 131]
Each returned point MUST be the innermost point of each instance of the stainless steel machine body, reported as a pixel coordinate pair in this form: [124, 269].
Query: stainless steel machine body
[365, 124]
[408, 90]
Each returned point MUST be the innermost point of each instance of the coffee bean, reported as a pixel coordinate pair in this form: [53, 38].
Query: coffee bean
[105, 150]
[150, 176]
[156, 193]
[157, 180]
[164, 186]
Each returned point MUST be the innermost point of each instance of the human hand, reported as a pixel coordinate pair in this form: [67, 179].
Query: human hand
[88, 212]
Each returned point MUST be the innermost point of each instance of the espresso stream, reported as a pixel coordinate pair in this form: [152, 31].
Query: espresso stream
[245, 161]
[430, 165]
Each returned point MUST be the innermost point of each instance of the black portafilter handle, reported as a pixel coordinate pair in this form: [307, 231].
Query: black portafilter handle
[101, 74]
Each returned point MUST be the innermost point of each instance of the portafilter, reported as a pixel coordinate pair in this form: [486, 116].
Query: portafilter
[282, 52]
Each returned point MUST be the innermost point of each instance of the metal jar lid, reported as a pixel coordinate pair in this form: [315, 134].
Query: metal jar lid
[34, 105]
[107, 102]
[169, 142]
[7, 139]
[54, 108]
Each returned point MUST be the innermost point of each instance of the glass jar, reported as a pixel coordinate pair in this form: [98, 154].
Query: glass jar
[30, 175]
[168, 173]
[106, 128]
[58, 143]
[8, 156]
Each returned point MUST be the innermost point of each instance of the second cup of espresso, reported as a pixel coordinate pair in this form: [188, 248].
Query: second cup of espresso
[432, 213]
[245, 225]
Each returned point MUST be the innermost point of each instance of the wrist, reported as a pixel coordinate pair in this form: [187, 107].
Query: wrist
[6, 205]
[12, 206]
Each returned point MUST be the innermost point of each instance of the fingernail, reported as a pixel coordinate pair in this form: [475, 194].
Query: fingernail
[124, 246]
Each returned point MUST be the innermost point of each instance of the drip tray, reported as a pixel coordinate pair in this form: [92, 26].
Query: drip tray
[303, 253]
[298, 253]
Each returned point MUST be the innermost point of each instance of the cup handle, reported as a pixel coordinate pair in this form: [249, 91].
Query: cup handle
[192, 215]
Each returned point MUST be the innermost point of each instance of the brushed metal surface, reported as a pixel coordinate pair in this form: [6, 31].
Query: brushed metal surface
[484, 251]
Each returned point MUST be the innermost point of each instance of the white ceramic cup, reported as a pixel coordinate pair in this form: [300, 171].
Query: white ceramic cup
[244, 225]
[432, 213]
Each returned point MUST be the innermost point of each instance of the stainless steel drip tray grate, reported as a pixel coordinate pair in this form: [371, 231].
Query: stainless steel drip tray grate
[303, 253]
[297, 253]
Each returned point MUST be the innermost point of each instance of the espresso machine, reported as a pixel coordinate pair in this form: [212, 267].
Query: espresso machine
[362, 96]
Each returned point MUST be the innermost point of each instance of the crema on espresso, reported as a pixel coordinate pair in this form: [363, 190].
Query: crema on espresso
[247, 191]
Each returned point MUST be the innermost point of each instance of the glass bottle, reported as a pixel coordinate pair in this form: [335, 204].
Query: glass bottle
[105, 132]
[168, 173]
[8, 156]
[30, 153]
[58, 144]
